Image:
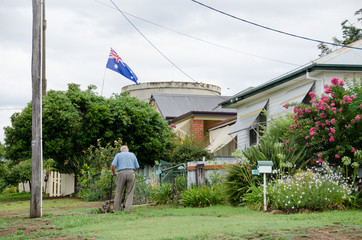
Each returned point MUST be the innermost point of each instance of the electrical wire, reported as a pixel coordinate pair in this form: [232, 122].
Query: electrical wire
[10, 109]
[200, 39]
[272, 29]
[158, 50]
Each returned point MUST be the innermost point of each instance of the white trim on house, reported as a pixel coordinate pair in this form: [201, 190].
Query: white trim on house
[249, 116]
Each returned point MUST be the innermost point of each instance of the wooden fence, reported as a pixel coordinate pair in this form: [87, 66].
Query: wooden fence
[54, 183]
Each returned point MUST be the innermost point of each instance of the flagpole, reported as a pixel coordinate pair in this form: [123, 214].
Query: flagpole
[104, 76]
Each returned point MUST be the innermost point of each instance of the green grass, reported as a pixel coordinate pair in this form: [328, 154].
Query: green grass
[48, 204]
[15, 196]
[170, 222]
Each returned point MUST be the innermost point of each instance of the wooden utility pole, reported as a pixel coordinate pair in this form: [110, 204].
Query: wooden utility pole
[44, 80]
[36, 143]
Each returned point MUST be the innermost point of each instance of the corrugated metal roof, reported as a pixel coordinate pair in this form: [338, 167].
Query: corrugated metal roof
[174, 105]
[348, 59]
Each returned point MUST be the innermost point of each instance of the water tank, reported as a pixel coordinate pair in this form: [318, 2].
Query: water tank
[143, 91]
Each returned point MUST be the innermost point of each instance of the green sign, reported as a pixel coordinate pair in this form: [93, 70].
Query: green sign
[158, 172]
[255, 172]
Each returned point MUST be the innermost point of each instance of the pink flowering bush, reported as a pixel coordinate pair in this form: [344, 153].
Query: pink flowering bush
[331, 126]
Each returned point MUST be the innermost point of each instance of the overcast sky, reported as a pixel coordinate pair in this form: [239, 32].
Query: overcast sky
[80, 34]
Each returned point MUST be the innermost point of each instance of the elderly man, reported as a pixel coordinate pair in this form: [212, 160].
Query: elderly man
[126, 163]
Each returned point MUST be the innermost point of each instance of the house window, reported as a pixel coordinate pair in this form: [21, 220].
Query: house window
[256, 129]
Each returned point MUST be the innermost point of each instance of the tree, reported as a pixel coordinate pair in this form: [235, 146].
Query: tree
[187, 150]
[351, 33]
[74, 119]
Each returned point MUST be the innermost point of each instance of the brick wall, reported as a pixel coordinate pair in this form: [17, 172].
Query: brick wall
[197, 130]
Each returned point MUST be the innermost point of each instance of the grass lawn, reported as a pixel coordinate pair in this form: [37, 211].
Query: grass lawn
[76, 219]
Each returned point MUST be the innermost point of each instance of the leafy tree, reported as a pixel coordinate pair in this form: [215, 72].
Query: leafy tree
[74, 119]
[187, 150]
[351, 33]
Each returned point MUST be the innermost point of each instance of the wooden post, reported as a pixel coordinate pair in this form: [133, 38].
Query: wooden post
[36, 143]
[44, 80]
[200, 174]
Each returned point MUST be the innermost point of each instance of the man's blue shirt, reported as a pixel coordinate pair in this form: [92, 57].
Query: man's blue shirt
[125, 160]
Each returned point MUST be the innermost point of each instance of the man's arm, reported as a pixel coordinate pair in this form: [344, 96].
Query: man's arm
[113, 168]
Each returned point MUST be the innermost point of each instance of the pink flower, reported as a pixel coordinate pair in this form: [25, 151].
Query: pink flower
[312, 130]
[317, 123]
[360, 105]
[323, 115]
[325, 98]
[358, 117]
[331, 139]
[333, 104]
[333, 121]
[337, 156]
[286, 105]
[332, 130]
[347, 98]
[341, 83]
[353, 96]
[312, 95]
[335, 81]
[291, 149]
[306, 138]
[320, 155]
[319, 161]
[328, 90]
[353, 149]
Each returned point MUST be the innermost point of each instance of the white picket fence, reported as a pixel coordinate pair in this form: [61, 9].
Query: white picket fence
[54, 183]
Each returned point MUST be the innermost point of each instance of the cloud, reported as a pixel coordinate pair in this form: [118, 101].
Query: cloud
[80, 34]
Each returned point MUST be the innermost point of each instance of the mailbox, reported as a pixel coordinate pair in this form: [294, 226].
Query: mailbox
[265, 166]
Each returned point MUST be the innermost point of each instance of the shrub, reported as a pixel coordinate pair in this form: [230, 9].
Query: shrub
[310, 190]
[10, 190]
[237, 182]
[203, 196]
[162, 193]
[188, 150]
[329, 125]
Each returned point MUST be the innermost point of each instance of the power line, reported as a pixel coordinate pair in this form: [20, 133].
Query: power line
[200, 39]
[10, 109]
[158, 50]
[272, 29]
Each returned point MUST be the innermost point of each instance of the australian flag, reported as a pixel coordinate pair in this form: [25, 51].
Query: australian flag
[116, 64]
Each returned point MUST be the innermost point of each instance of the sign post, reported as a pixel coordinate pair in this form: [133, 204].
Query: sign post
[265, 167]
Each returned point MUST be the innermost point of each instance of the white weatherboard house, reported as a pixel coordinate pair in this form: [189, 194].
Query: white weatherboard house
[345, 63]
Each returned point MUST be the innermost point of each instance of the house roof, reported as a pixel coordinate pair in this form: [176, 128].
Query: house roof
[174, 105]
[346, 59]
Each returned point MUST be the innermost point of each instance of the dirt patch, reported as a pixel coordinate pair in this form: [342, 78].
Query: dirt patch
[90, 205]
[26, 226]
[329, 233]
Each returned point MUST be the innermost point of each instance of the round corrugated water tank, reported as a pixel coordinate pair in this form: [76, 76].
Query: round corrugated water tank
[143, 91]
